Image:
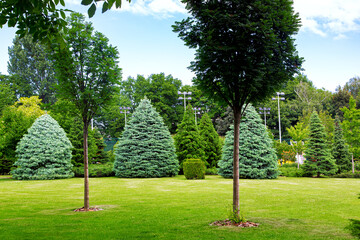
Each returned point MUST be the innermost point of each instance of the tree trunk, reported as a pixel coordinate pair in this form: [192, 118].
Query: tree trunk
[86, 169]
[236, 198]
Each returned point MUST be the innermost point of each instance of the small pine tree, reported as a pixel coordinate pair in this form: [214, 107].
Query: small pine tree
[318, 155]
[44, 152]
[100, 156]
[257, 157]
[146, 148]
[211, 141]
[187, 139]
[340, 150]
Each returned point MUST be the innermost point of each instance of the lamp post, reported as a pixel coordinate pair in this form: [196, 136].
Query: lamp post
[196, 112]
[125, 110]
[278, 98]
[264, 111]
[185, 98]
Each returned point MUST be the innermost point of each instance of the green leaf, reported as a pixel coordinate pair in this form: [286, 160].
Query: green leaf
[86, 2]
[118, 3]
[12, 22]
[105, 7]
[62, 14]
[62, 2]
[92, 10]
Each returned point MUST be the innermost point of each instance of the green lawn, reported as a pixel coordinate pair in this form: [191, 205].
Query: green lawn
[175, 208]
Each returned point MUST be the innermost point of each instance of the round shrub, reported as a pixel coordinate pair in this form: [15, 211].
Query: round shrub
[44, 152]
[194, 169]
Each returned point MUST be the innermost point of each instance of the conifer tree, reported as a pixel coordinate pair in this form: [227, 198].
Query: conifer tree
[44, 152]
[187, 139]
[146, 148]
[340, 150]
[100, 155]
[257, 157]
[318, 155]
[211, 141]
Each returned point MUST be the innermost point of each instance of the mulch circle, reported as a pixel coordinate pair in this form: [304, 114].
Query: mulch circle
[228, 222]
[94, 209]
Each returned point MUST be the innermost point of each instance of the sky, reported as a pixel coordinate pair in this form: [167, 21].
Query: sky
[329, 39]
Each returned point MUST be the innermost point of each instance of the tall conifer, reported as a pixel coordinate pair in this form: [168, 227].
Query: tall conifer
[146, 149]
[318, 155]
[340, 150]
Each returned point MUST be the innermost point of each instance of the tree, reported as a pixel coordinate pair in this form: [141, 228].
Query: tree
[14, 122]
[146, 148]
[7, 96]
[298, 134]
[340, 150]
[351, 127]
[339, 99]
[211, 141]
[44, 152]
[257, 158]
[353, 86]
[88, 75]
[41, 18]
[318, 155]
[30, 61]
[100, 155]
[188, 141]
[244, 53]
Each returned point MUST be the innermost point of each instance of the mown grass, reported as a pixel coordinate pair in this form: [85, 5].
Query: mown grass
[175, 208]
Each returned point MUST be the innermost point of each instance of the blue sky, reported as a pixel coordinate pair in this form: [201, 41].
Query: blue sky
[329, 39]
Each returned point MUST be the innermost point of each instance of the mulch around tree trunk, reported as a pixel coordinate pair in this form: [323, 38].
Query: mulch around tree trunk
[230, 223]
[94, 209]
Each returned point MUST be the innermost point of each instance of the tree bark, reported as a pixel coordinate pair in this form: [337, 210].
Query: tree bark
[236, 198]
[86, 169]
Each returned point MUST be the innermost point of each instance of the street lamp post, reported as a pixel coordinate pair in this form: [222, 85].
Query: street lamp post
[278, 98]
[196, 112]
[264, 111]
[185, 98]
[125, 110]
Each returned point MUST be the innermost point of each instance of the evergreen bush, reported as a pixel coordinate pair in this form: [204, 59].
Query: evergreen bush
[188, 141]
[44, 152]
[146, 148]
[194, 169]
[340, 150]
[211, 141]
[257, 157]
[318, 156]
[96, 170]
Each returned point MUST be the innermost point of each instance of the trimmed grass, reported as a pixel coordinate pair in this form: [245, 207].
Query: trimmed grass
[175, 208]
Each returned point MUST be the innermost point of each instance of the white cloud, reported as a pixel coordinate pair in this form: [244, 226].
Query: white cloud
[329, 17]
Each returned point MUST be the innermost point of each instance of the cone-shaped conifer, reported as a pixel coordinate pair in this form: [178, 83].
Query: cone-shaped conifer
[187, 139]
[146, 149]
[44, 152]
[257, 157]
[211, 141]
[318, 155]
[340, 150]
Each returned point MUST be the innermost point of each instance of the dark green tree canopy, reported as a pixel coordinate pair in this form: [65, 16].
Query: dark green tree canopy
[44, 152]
[340, 150]
[146, 148]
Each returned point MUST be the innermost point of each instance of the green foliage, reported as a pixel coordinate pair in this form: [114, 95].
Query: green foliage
[30, 61]
[340, 150]
[236, 216]
[100, 155]
[291, 170]
[7, 95]
[96, 170]
[354, 228]
[349, 174]
[146, 148]
[211, 171]
[318, 156]
[194, 169]
[44, 152]
[211, 141]
[351, 127]
[188, 141]
[257, 158]
[14, 123]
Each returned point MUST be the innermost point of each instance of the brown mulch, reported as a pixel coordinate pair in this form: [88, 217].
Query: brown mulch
[227, 222]
[94, 209]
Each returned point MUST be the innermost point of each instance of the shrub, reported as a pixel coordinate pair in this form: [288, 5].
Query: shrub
[291, 172]
[194, 169]
[211, 171]
[354, 227]
[348, 175]
[44, 152]
[96, 170]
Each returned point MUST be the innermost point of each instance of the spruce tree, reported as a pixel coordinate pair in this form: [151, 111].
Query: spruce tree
[340, 150]
[187, 139]
[318, 155]
[44, 152]
[257, 157]
[211, 141]
[146, 149]
[100, 155]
